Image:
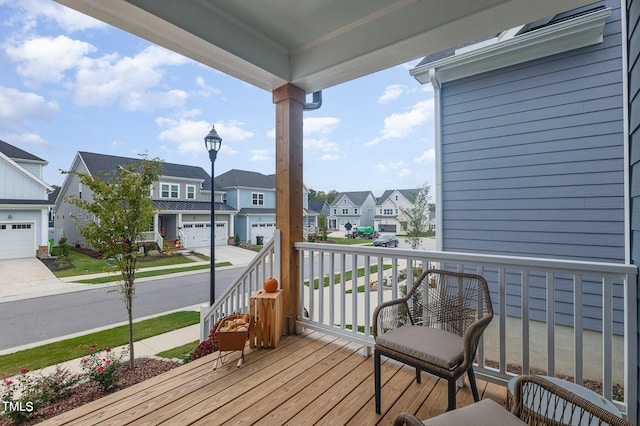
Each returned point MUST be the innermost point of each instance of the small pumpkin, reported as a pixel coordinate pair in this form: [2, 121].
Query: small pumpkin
[270, 285]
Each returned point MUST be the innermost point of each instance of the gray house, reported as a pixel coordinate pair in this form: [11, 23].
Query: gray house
[182, 197]
[531, 145]
[356, 208]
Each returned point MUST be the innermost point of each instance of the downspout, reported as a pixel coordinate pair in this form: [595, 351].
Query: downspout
[316, 104]
[433, 78]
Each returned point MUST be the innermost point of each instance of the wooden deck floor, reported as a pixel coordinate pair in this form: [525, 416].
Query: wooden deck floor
[309, 379]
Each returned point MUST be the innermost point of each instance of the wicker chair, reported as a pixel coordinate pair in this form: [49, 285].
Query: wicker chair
[434, 328]
[536, 402]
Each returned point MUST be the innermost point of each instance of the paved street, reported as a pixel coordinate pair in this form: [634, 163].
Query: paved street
[42, 318]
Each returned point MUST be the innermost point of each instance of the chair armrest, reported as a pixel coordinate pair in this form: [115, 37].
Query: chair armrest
[534, 390]
[472, 337]
[390, 315]
[406, 419]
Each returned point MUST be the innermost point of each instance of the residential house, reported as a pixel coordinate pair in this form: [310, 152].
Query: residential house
[389, 216]
[24, 204]
[531, 143]
[182, 197]
[356, 208]
[253, 196]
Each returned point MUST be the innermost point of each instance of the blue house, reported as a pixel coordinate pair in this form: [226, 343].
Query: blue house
[531, 145]
[253, 196]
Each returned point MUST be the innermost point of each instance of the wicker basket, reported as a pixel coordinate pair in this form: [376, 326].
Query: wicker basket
[232, 340]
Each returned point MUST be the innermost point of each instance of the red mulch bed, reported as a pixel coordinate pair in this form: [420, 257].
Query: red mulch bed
[89, 391]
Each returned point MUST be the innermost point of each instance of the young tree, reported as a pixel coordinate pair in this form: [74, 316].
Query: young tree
[322, 220]
[122, 210]
[418, 216]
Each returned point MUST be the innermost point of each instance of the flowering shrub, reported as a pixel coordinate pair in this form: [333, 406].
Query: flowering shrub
[24, 394]
[208, 346]
[103, 368]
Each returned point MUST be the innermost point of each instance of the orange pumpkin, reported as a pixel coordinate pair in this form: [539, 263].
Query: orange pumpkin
[270, 285]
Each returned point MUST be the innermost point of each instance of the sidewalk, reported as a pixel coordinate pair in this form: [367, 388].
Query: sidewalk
[29, 278]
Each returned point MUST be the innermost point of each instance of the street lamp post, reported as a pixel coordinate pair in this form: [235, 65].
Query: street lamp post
[212, 142]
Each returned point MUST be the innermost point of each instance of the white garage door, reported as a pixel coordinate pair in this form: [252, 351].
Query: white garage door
[222, 235]
[196, 234]
[199, 234]
[264, 230]
[17, 240]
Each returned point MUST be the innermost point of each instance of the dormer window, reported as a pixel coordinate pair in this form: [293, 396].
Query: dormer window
[80, 190]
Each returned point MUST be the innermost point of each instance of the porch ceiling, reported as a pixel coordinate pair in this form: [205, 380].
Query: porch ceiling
[313, 44]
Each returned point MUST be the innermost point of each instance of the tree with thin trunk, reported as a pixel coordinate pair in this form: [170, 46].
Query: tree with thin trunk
[417, 216]
[120, 210]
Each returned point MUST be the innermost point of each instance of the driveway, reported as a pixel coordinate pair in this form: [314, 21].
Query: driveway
[28, 276]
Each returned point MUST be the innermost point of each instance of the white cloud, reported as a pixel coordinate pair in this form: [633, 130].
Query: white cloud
[391, 93]
[400, 125]
[46, 59]
[232, 131]
[205, 90]
[189, 135]
[428, 155]
[26, 138]
[18, 108]
[404, 172]
[271, 134]
[128, 81]
[67, 19]
[322, 125]
[261, 155]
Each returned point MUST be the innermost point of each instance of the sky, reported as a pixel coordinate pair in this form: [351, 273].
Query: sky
[71, 83]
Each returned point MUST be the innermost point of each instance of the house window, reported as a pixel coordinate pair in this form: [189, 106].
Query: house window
[335, 211]
[80, 190]
[224, 198]
[355, 211]
[150, 191]
[345, 211]
[257, 199]
[191, 192]
[388, 212]
[169, 190]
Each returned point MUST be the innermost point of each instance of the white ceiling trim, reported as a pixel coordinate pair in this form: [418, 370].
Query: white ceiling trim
[567, 35]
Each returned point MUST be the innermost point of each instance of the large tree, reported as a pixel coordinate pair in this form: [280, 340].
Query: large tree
[417, 216]
[121, 210]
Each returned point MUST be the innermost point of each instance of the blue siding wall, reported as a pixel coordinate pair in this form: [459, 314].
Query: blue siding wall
[633, 31]
[533, 163]
[533, 157]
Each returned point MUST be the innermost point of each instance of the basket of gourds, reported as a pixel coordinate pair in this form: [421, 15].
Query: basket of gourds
[232, 332]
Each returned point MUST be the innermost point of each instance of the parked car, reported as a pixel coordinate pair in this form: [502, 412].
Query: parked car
[387, 240]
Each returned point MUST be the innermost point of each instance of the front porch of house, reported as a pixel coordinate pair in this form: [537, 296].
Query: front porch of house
[310, 378]
[562, 318]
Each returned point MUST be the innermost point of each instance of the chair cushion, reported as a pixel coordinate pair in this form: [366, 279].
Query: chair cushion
[484, 412]
[427, 344]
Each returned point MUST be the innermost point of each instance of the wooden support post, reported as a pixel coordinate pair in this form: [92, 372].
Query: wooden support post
[289, 101]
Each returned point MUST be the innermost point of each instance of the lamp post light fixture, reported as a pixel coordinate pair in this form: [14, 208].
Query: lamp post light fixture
[212, 142]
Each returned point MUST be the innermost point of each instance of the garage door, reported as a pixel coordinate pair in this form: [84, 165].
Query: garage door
[222, 235]
[17, 240]
[196, 234]
[387, 228]
[264, 230]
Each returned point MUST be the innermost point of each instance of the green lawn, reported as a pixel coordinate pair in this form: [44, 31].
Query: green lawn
[144, 274]
[57, 352]
[183, 352]
[347, 277]
[83, 264]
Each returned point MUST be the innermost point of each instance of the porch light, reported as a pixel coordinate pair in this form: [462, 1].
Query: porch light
[212, 143]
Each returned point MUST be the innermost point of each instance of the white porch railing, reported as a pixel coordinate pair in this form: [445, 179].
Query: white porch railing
[236, 298]
[343, 305]
[152, 236]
